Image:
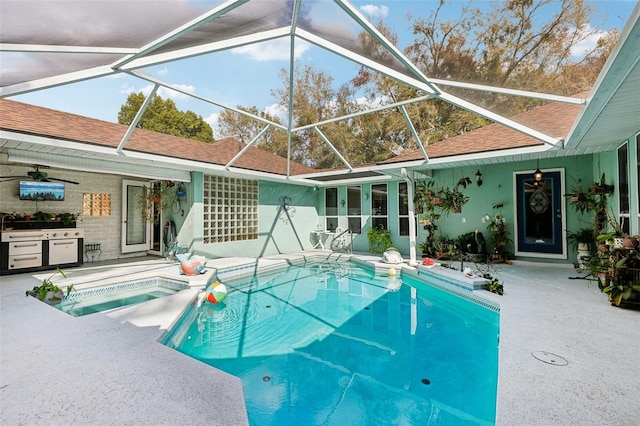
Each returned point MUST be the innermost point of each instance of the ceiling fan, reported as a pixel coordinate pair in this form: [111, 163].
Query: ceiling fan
[38, 176]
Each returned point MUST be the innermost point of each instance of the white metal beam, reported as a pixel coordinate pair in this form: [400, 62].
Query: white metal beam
[203, 49]
[413, 132]
[369, 63]
[243, 150]
[513, 92]
[333, 148]
[500, 119]
[48, 48]
[57, 80]
[364, 112]
[137, 118]
[182, 30]
[292, 70]
[154, 80]
[380, 38]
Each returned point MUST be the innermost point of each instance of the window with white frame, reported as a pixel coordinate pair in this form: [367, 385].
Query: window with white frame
[354, 208]
[230, 209]
[379, 197]
[403, 211]
[331, 208]
[636, 180]
[623, 186]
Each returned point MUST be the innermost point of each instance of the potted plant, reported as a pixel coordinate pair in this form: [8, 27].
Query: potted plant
[442, 247]
[623, 287]
[498, 235]
[379, 239]
[155, 199]
[454, 200]
[582, 239]
[48, 291]
[67, 218]
[582, 242]
[42, 217]
[601, 188]
[581, 201]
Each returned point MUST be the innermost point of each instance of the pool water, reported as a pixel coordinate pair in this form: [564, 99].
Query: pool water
[105, 298]
[336, 344]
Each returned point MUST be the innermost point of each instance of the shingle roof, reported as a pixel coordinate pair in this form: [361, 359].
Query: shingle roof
[554, 119]
[34, 120]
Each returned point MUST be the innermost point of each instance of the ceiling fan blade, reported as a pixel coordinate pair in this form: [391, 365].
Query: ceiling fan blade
[63, 180]
[10, 178]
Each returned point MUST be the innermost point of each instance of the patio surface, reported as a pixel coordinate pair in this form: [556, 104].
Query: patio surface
[108, 368]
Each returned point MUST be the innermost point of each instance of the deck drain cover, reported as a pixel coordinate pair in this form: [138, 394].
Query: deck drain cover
[550, 358]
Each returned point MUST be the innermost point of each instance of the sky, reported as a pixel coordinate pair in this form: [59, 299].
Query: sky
[247, 76]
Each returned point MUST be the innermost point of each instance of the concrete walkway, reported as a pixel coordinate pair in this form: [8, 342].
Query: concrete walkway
[109, 369]
[545, 311]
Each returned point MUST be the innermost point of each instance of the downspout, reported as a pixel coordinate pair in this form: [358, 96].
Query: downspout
[412, 221]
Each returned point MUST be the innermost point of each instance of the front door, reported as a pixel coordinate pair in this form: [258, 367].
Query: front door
[136, 232]
[540, 215]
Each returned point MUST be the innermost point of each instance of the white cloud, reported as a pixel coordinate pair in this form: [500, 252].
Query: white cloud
[127, 89]
[277, 110]
[212, 120]
[163, 92]
[372, 11]
[588, 43]
[273, 50]
[163, 71]
[166, 93]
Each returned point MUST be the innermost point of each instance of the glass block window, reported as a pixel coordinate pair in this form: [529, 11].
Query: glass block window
[96, 204]
[230, 209]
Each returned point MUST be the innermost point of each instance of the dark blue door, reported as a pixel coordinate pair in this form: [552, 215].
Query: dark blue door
[539, 210]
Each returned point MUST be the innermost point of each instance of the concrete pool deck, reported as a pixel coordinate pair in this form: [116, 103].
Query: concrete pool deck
[108, 368]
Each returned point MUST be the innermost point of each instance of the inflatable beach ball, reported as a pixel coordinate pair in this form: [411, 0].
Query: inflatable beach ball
[216, 293]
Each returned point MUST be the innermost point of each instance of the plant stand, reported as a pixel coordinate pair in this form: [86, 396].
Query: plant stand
[93, 251]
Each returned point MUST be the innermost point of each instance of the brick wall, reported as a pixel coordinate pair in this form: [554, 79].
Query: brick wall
[97, 229]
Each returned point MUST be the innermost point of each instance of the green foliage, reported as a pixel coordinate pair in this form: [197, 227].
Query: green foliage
[379, 239]
[498, 233]
[48, 288]
[581, 236]
[523, 45]
[68, 218]
[163, 116]
[156, 199]
[42, 216]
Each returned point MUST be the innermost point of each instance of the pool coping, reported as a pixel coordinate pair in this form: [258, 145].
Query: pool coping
[445, 279]
[115, 362]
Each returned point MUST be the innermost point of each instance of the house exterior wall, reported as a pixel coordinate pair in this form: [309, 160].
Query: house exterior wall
[497, 187]
[277, 234]
[97, 229]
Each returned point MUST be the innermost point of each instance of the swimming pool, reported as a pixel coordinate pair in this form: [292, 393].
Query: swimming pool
[103, 298]
[337, 344]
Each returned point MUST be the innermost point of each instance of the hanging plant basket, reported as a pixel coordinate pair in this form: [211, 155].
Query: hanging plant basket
[601, 189]
[437, 201]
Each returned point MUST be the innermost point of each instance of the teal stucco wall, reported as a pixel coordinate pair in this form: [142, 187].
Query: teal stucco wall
[281, 234]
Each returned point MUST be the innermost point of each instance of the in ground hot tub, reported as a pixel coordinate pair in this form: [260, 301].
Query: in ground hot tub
[100, 299]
